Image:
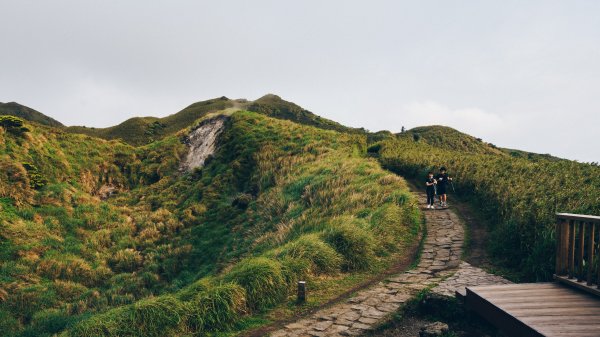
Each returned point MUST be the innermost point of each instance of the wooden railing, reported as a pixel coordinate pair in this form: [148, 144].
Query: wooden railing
[577, 251]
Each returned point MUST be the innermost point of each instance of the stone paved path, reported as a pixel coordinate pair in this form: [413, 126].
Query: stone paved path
[440, 267]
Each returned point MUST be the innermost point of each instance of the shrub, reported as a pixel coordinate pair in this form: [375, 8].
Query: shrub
[242, 200]
[217, 308]
[187, 293]
[296, 269]
[50, 321]
[8, 323]
[355, 244]
[36, 180]
[68, 290]
[150, 317]
[321, 256]
[263, 280]
[374, 148]
[125, 260]
[69, 268]
[13, 124]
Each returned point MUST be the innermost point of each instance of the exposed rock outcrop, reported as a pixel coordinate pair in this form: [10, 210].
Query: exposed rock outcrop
[202, 142]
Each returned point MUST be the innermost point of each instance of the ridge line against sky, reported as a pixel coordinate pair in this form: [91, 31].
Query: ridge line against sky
[519, 75]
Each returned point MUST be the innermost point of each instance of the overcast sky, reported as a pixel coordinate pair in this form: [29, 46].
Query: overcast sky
[519, 74]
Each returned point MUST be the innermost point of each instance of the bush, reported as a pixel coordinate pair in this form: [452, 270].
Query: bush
[374, 148]
[263, 279]
[355, 244]
[36, 180]
[217, 308]
[50, 321]
[150, 317]
[8, 323]
[13, 124]
[310, 247]
[242, 200]
[126, 260]
[189, 292]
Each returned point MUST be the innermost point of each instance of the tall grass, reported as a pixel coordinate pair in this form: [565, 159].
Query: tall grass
[519, 194]
[189, 252]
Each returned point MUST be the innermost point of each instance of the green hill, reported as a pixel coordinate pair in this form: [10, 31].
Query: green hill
[448, 138]
[144, 130]
[273, 106]
[21, 111]
[100, 238]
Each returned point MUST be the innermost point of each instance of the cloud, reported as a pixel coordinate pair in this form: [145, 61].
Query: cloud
[473, 120]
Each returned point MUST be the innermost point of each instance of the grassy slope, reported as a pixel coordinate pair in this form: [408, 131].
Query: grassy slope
[450, 139]
[520, 194]
[144, 130]
[273, 106]
[21, 111]
[178, 253]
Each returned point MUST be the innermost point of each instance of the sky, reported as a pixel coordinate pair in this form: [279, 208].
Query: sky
[519, 74]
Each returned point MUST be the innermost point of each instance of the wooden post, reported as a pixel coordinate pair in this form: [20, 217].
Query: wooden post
[301, 292]
[564, 254]
[590, 257]
[580, 250]
[571, 248]
[558, 231]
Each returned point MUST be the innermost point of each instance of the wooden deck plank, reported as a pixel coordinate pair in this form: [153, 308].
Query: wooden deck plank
[512, 286]
[549, 305]
[544, 309]
[528, 292]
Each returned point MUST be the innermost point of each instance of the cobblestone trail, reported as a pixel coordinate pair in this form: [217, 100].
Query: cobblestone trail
[440, 266]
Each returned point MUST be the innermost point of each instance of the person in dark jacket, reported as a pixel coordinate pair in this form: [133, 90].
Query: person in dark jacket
[442, 183]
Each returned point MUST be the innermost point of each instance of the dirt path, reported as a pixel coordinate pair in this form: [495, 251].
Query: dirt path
[440, 267]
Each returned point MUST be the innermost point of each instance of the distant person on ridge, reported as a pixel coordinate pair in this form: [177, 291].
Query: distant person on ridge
[442, 182]
[430, 182]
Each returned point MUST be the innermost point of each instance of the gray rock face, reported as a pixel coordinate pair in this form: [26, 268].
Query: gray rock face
[433, 329]
[202, 142]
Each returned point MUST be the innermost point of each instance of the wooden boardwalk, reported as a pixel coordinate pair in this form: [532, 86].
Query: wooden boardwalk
[537, 309]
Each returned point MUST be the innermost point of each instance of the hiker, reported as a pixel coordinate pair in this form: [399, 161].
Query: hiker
[430, 182]
[442, 182]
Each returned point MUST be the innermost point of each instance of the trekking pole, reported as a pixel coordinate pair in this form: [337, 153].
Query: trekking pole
[452, 184]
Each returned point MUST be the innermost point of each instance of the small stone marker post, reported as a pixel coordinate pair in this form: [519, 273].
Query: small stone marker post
[301, 292]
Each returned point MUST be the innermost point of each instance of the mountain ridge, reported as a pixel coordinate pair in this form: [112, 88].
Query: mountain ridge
[27, 113]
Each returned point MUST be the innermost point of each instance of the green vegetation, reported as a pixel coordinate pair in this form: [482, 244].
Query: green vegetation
[274, 106]
[26, 113]
[427, 307]
[519, 194]
[13, 125]
[144, 130]
[449, 139]
[213, 250]
[109, 237]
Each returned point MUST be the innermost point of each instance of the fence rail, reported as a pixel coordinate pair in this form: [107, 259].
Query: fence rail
[578, 251]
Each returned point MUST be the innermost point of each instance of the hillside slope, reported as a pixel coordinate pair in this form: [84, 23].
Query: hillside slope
[21, 111]
[100, 238]
[519, 193]
[143, 130]
[273, 106]
[448, 138]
